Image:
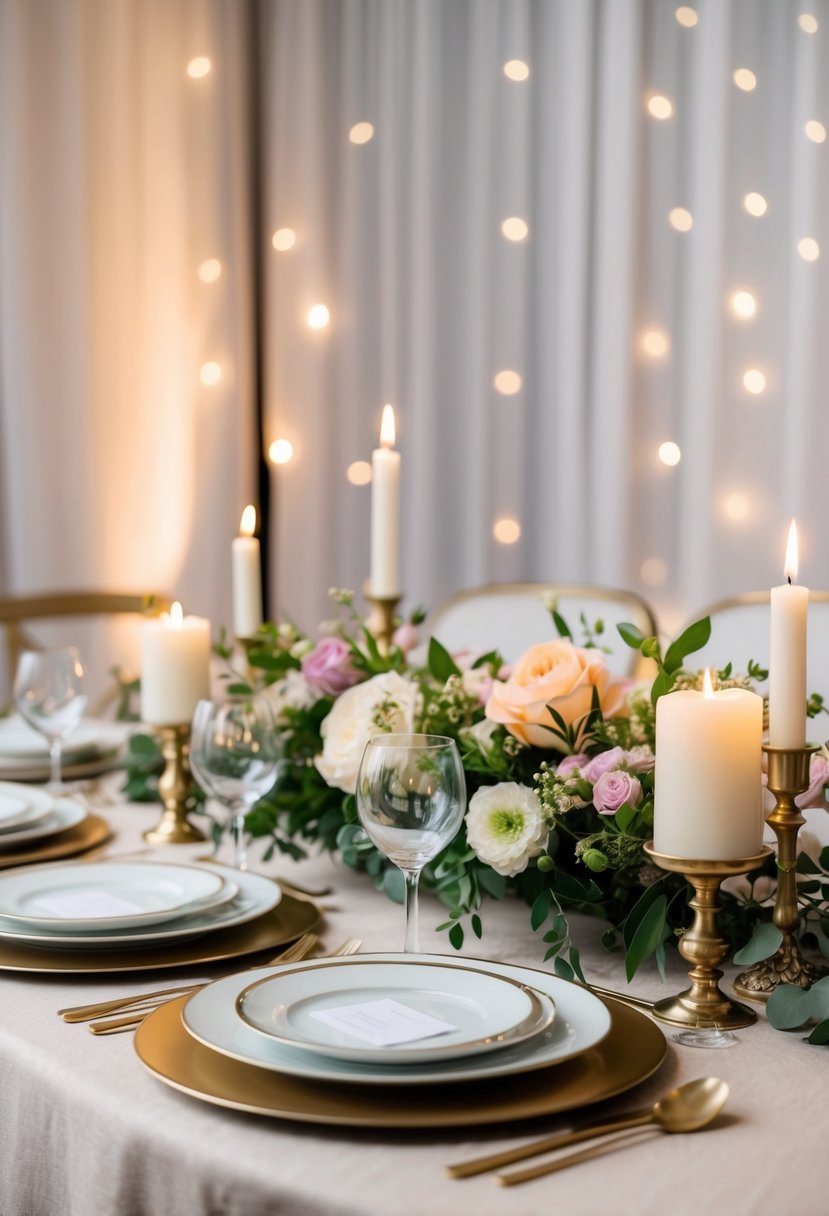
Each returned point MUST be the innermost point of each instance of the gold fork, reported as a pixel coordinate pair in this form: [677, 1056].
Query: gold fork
[86, 1013]
[117, 1025]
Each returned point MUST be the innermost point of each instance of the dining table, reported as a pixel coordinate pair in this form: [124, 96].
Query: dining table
[87, 1130]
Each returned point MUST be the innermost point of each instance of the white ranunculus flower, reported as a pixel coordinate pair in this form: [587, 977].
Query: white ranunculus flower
[353, 720]
[292, 691]
[506, 826]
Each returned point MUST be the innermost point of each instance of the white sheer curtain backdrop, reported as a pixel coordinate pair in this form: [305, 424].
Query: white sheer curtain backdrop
[616, 310]
[124, 186]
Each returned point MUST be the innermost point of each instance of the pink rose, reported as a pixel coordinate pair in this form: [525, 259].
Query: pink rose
[612, 790]
[605, 762]
[569, 763]
[818, 778]
[555, 675]
[328, 666]
[639, 760]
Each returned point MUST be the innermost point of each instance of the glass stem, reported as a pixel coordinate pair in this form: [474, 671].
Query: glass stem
[240, 853]
[412, 939]
[55, 747]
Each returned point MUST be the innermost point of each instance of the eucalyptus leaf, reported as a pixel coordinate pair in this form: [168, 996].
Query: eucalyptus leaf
[789, 1007]
[764, 942]
[647, 936]
[820, 1034]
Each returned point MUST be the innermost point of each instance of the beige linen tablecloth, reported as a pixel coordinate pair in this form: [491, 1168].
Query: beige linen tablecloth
[86, 1131]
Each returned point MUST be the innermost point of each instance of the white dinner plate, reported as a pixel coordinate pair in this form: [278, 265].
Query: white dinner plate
[78, 896]
[256, 896]
[581, 1022]
[483, 1012]
[64, 814]
[21, 743]
[21, 806]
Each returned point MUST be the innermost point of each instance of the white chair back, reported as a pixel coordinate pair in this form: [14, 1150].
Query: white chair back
[510, 617]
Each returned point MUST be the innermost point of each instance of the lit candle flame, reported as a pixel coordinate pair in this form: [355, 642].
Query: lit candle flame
[387, 434]
[707, 684]
[248, 525]
[790, 569]
[176, 614]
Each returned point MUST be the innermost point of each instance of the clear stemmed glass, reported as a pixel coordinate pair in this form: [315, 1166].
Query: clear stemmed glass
[236, 757]
[49, 695]
[411, 795]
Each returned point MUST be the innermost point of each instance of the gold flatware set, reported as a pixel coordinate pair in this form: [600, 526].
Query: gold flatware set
[133, 1009]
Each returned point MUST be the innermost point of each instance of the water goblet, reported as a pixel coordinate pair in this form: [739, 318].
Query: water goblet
[236, 757]
[49, 695]
[411, 795]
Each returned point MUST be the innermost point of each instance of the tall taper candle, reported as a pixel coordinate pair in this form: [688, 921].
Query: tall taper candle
[787, 657]
[385, 513]
[708, 803]
[247, 578]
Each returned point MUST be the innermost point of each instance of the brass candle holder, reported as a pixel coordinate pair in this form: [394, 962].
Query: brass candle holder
[382, 629]
[704, 1005]
[174, 786]
[788, 777]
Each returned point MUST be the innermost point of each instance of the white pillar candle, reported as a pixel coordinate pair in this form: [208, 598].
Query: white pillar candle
[708, 800]
[247, 578]
[384, 579]
[787, 657]
[175, 667]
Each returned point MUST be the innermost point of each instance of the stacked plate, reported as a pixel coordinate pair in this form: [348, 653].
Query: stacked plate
[118, 905]
[91, 749]
[387, 1020]
[29, 817]
[390, 1040]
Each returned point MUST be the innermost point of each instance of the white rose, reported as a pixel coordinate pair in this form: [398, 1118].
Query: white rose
[291, 692]
[506, 827]
[353, 720]
[480, 735]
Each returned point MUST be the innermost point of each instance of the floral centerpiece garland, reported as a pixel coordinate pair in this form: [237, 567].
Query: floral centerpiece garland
[559, 757]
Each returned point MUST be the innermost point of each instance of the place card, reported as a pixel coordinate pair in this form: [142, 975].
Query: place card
[81, 905]
[383, 1023]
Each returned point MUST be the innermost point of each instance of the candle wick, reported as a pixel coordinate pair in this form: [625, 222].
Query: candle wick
[789, 577]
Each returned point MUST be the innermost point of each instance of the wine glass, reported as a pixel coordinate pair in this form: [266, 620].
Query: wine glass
[411, 795]
[49, 695]
[236, 756]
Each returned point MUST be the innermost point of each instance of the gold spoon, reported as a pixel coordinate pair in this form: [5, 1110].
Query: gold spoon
[686, 1109]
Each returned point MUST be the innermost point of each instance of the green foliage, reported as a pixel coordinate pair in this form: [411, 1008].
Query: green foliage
[789, 1008]
[668, 668]
[763, 944]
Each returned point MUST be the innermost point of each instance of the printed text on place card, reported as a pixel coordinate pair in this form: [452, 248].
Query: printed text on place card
[383, 1023]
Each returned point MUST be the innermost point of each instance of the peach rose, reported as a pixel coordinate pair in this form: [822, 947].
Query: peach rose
[556, 674]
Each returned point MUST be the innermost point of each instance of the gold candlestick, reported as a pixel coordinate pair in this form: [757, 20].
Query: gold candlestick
[382, 629]
[174, 786]
[788, 777]
[704, 1005]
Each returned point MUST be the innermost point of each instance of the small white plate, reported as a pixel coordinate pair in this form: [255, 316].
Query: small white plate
[486, 1012]
[256, 896]
[62, 815]
[21, 806]
[93, 895]
[21, 742]
[581, 1022]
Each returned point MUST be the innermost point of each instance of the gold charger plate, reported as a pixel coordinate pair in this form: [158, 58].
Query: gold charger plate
[90, 832]
[633, 1050]
[285, 923]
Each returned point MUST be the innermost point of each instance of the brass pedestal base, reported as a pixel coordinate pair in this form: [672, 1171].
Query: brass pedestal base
[788, 777]
[385, 608]
[704, 1005]
[174, 786]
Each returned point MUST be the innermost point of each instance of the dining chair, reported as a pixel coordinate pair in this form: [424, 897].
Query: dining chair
[36, 621]
[510, 617]
[740, 628]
